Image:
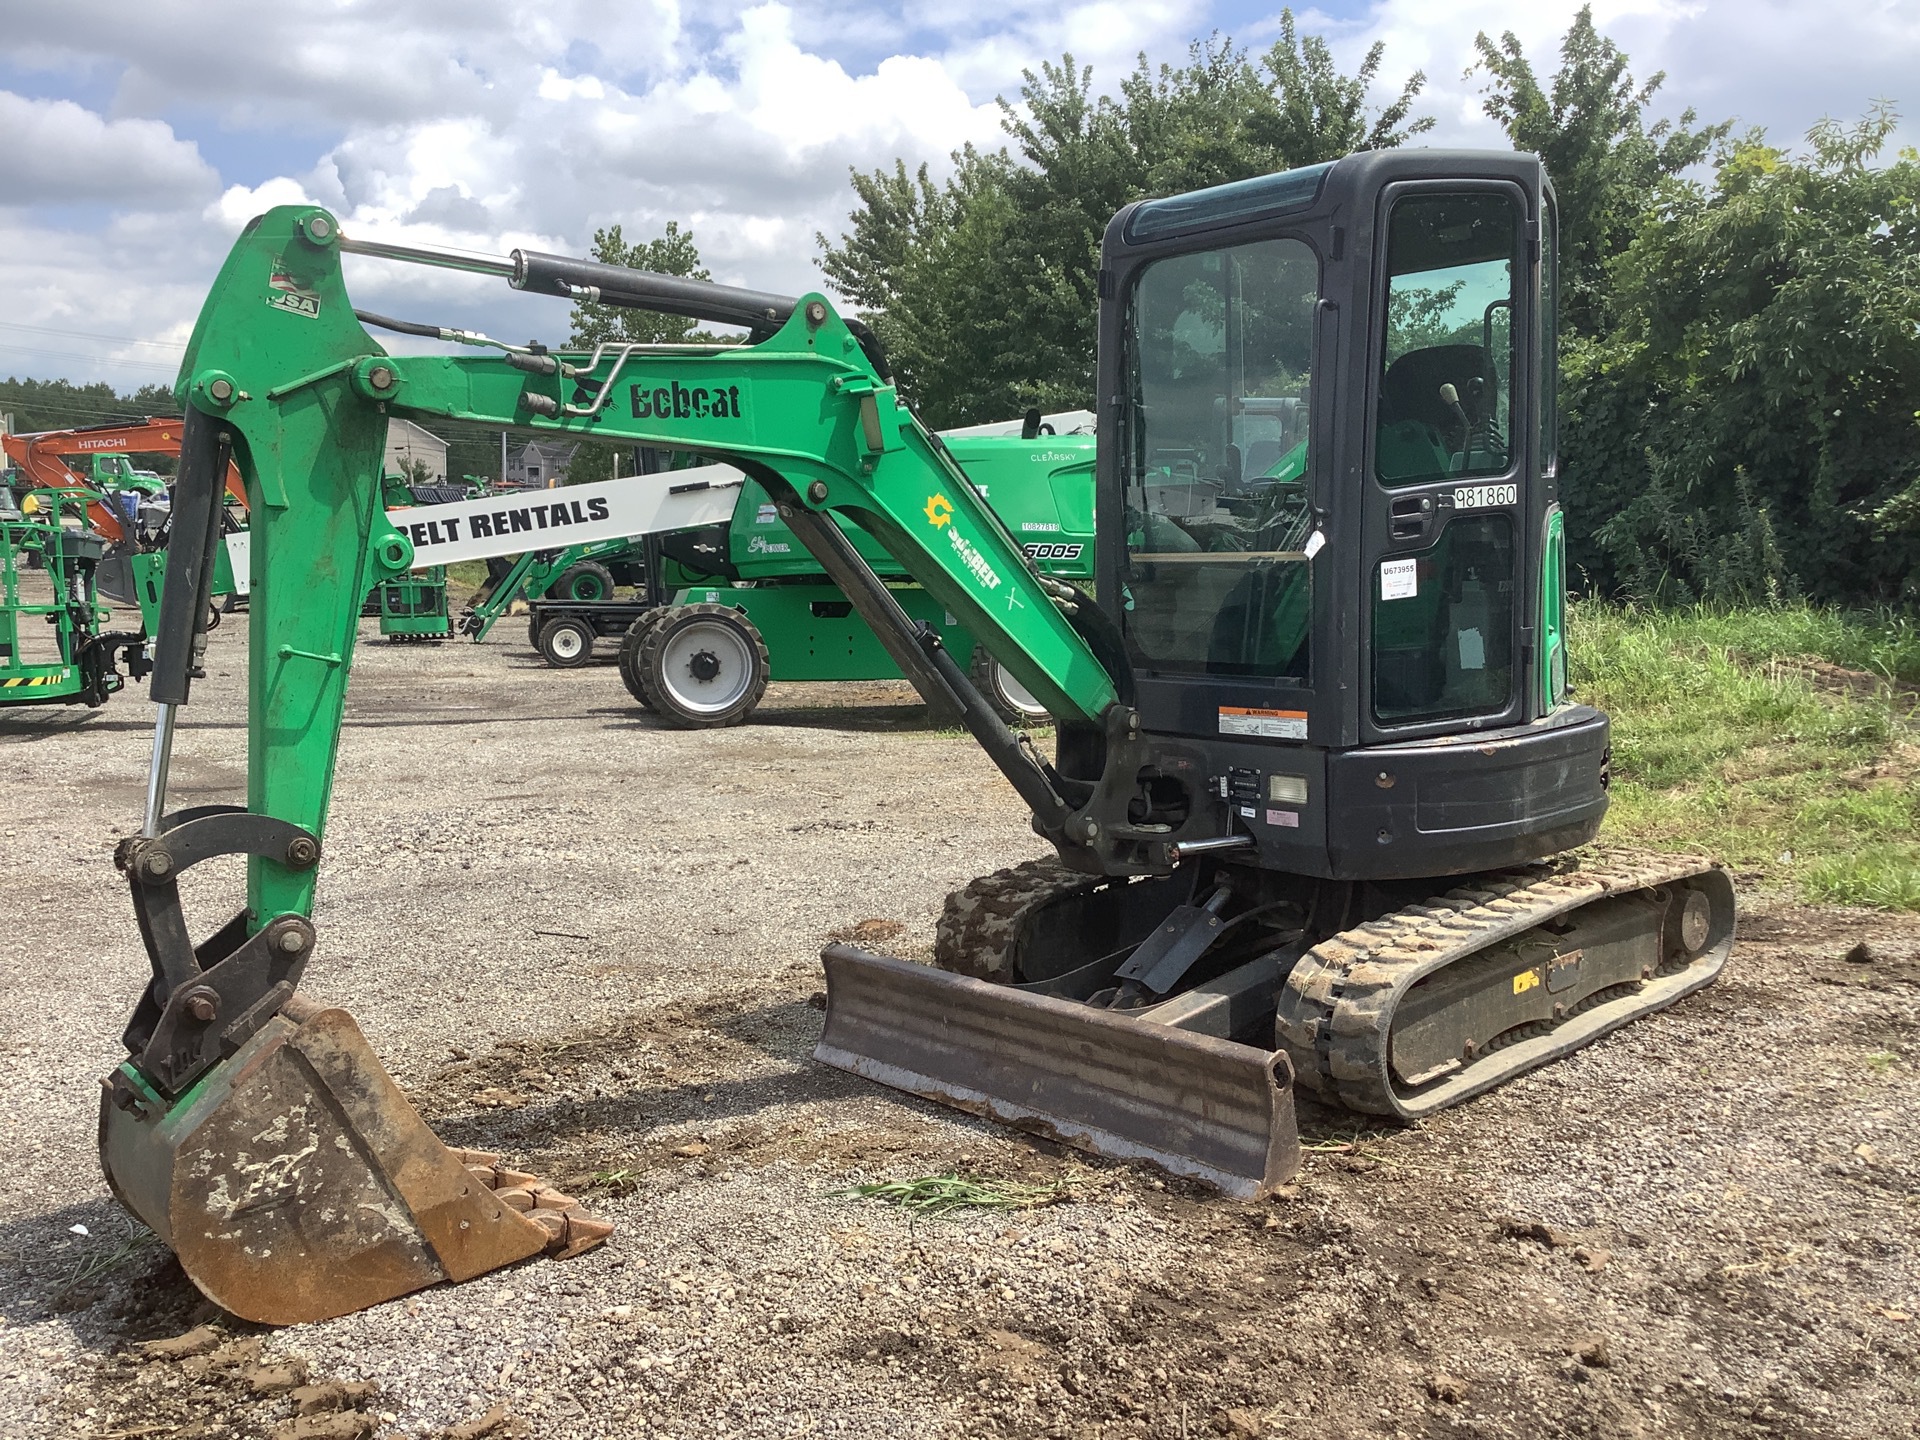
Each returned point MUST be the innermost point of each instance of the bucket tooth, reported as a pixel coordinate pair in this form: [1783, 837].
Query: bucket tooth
[584, 1232]
[295, 1182]
[570, 1232]
[517, 1196]
[545, 1197]
[484, 1158]
[505, 1178]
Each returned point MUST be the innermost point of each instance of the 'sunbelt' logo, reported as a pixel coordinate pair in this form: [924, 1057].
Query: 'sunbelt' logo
[683, 402]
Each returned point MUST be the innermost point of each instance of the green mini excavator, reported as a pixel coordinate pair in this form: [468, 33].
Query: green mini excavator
[1317, 773]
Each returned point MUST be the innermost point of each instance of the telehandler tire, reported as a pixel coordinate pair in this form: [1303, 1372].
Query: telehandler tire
[630, 644]
[1010, 700]
[566, 642]
[703, 666]
[586, 580]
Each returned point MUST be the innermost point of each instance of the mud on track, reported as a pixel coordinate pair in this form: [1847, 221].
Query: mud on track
[590, 943]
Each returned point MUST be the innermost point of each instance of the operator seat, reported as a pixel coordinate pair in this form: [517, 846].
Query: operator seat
[1419, 432]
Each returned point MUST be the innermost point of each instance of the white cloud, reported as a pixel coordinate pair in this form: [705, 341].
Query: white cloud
[1777, 64]
[58, 153]
[240, 203]
[1105, 34]
[483, 124]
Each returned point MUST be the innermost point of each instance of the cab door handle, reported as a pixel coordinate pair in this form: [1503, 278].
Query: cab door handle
[1410, 516]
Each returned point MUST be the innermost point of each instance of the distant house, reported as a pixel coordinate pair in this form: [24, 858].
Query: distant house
[408, 442]
[538, 464]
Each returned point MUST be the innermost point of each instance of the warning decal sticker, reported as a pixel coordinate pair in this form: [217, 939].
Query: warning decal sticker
[1264, 724]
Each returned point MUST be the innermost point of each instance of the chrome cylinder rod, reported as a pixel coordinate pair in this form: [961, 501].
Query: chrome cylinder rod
[157, 769]
[1187, 849]
[414, 255]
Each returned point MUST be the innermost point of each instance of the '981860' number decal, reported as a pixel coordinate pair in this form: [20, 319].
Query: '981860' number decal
[1475, 497]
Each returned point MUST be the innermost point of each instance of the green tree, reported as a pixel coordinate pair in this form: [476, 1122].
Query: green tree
[416, 471]
[63, 405]
[593, 461]
[897, 215]
[670, 253]
[1312, 113]
[985, 289]
[1590, 128]
[1747, 428]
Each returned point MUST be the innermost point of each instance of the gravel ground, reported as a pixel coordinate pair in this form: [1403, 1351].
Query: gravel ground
[591, 943]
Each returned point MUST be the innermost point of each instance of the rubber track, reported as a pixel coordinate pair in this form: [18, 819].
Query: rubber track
[981, 922]
[1336, 1010]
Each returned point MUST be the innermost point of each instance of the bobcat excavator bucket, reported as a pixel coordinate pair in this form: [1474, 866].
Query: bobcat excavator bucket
[296, 1183]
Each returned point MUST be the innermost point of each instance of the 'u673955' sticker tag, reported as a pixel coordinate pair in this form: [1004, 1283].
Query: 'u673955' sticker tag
[1399, 579]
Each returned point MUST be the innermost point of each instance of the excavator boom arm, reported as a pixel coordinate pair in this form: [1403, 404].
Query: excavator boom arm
[281, 380]
[282, 370]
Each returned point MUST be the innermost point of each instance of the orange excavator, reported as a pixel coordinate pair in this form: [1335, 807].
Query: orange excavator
[45, 460]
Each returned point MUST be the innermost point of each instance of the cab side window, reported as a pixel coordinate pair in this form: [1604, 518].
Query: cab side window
[1447, 371]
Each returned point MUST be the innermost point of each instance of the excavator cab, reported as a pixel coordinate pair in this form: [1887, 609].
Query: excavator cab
[1305, 846]
[1326, 514]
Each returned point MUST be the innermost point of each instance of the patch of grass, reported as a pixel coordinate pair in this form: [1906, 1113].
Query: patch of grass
[464, 577]
[940, 1194]
[1886, 877]
[616, 1182]
[1733, 734]
[1883, 1062]
[1359, 1146]
[126, 1242]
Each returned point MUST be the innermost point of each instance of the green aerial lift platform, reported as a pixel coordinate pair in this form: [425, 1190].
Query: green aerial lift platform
[54, 647]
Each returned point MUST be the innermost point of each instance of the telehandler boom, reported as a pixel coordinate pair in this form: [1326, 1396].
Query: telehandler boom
[1315, 748]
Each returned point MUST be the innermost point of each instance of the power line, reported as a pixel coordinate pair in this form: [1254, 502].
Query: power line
[161, 366]
[107, 412]
[92, 335]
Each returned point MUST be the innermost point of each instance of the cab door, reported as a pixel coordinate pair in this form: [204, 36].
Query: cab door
[1452, 479]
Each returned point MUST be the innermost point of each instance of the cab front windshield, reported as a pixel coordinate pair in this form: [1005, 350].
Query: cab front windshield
[1219, 353]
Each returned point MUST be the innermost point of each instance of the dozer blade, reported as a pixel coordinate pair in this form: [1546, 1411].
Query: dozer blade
[1131, 1089]
[296, 1183]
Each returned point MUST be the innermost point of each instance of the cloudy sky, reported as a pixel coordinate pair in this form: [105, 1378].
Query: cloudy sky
[137, 136]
